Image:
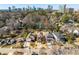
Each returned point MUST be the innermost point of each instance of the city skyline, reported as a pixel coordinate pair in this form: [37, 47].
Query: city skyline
[55, 6]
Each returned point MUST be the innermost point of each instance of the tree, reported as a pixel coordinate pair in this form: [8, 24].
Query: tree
[34, 8]
[65, 18]
[70, 38]
[34, 20]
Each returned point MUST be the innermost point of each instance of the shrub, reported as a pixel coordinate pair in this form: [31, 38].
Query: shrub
[18, 45]
[65, 18]
[69, 39]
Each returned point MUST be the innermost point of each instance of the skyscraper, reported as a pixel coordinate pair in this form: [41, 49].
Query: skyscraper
[24, 9]
[13, 8]
[50, 8]
[62, 8]
[9, 8]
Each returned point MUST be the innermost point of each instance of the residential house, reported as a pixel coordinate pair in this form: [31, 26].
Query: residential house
[55, 36]
[59, 37]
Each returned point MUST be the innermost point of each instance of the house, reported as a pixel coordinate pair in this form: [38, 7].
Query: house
[70, 29]
[39, 36]
[26, 44]
[77, 41]
[67, 28]
[70, 21]
[59, 37]
[4, 30]
[76, 32]
[20, 39]
[55, 36]
[49, 37]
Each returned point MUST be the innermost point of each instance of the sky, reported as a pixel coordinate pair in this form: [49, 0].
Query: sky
[55, 6]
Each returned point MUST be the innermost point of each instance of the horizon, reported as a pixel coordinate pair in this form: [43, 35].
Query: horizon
[55, 6]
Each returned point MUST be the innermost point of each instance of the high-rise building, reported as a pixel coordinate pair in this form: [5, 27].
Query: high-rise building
[13, 8]
[50, 8]
[62, 8]
[70, 10]
[24, 9]
[9, 8]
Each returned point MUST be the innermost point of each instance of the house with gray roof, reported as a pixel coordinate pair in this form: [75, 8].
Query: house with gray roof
[55, 36]
[59, 37]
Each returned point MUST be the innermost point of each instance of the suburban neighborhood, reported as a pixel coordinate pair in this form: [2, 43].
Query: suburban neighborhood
[39, 31]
